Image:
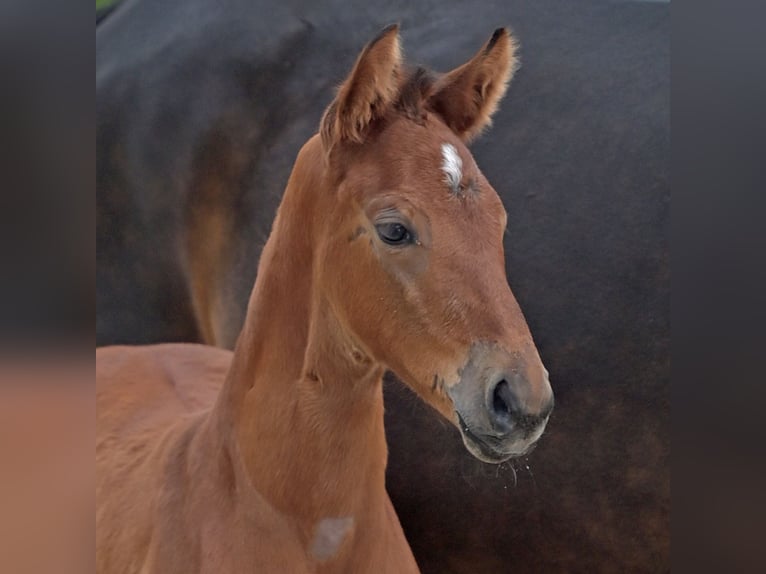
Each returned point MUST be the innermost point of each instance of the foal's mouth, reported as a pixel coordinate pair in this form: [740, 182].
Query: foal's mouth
[488, 448]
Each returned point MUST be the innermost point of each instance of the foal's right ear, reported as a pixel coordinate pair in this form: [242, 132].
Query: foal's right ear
[367, 93]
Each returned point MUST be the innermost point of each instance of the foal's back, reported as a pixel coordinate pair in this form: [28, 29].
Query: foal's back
[157, 477]
[147, 399]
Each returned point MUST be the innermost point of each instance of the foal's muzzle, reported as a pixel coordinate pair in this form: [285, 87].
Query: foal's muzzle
[502, 408]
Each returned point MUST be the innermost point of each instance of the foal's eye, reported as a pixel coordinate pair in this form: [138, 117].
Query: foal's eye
[394, 233]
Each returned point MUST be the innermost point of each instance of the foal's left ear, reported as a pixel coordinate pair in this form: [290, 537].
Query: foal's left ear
[368, 91]
[467, 96]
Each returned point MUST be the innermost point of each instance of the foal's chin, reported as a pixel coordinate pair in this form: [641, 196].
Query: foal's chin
[491, 453]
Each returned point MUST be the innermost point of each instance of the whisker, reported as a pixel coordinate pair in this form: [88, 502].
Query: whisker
[529, 470]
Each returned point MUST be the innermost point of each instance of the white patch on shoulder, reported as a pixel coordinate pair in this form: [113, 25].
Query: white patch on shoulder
[452, 166]
[329, 535]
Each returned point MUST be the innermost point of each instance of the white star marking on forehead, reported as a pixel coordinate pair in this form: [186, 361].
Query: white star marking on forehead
[452, 166]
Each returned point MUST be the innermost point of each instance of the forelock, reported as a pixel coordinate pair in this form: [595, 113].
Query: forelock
[413, 94]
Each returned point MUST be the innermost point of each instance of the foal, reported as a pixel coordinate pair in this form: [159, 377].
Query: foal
[386, 253]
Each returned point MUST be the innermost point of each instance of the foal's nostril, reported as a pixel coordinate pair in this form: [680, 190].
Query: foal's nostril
[504, 403]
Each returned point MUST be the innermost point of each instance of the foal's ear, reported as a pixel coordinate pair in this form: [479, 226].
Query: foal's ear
[467, 96]
[367, 92]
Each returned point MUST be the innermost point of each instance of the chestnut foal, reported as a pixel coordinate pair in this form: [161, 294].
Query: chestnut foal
[386, 253]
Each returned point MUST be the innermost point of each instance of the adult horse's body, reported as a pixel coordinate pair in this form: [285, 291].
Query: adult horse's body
[201, 110]
[386, 253]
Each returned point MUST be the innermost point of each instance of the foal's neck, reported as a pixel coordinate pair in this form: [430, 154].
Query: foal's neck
[302, 408]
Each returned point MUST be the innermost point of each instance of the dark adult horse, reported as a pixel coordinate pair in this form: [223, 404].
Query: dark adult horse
[202, 106]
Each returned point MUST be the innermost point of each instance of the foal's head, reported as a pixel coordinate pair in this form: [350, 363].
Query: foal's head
[412, 243]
